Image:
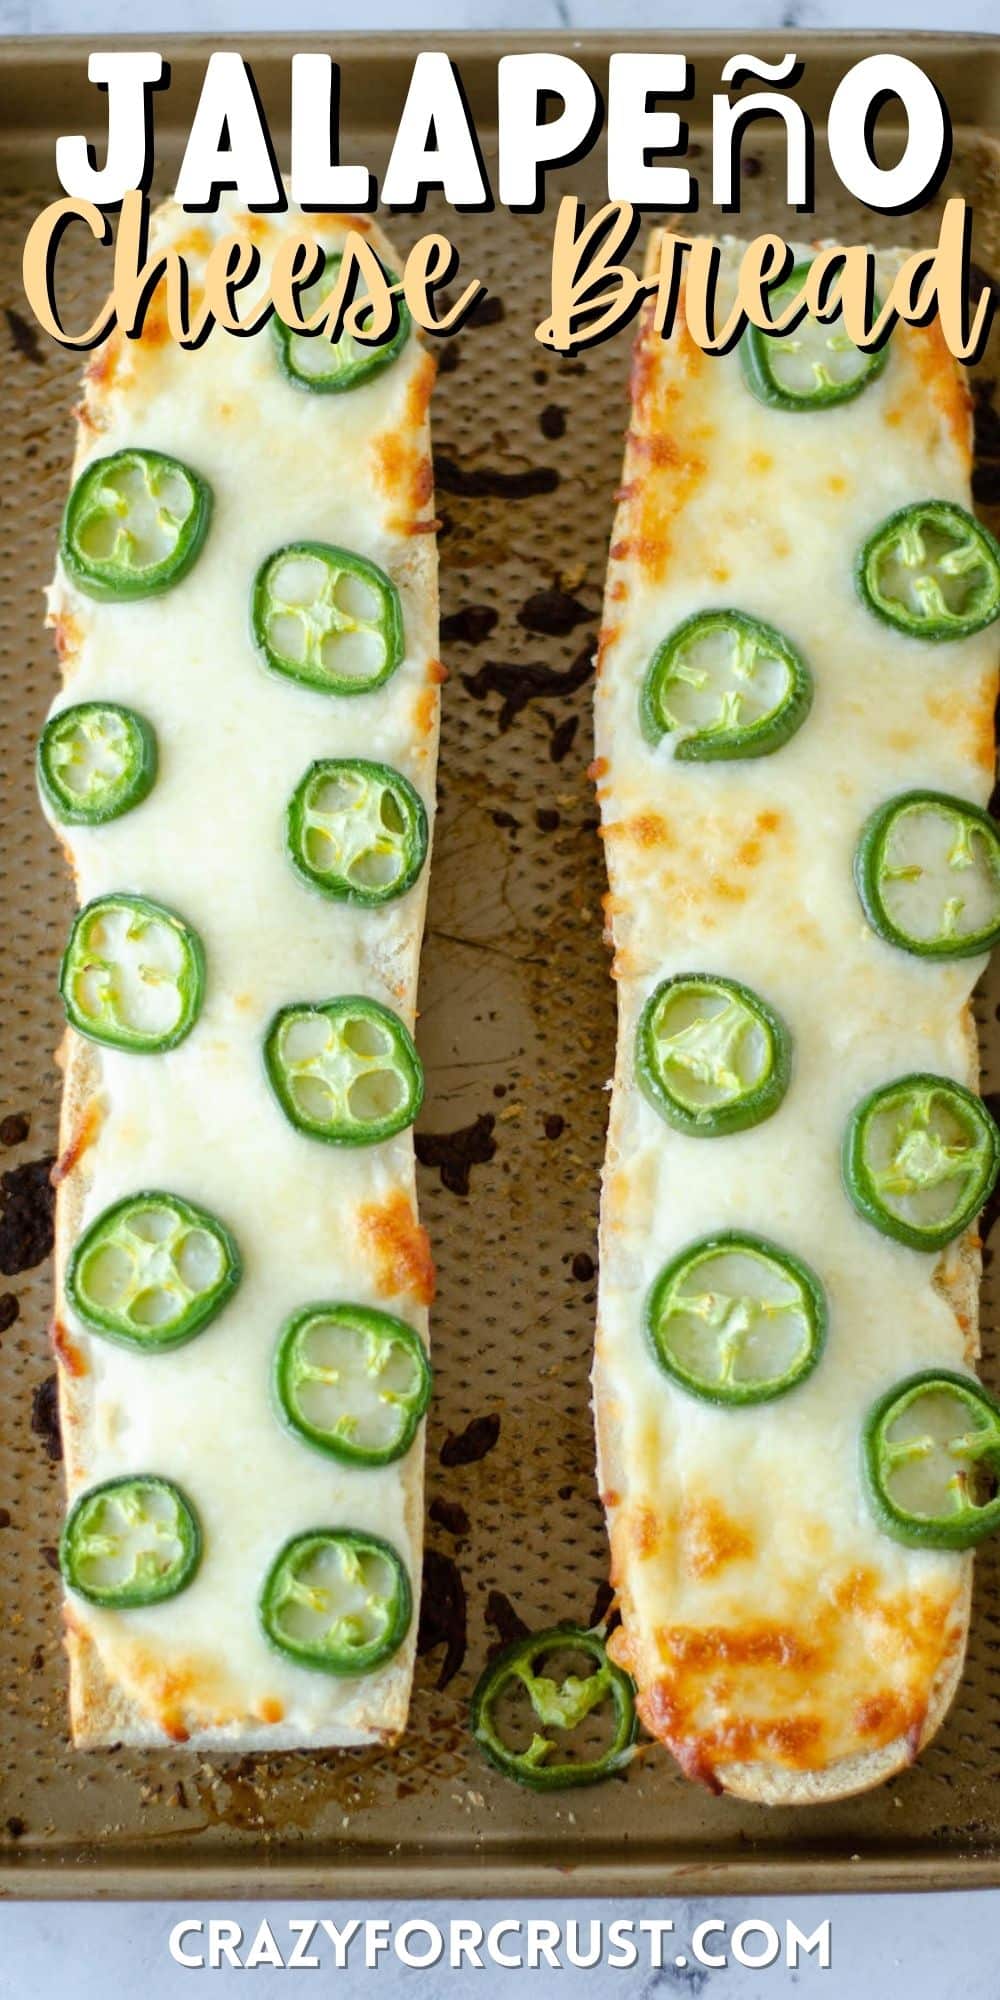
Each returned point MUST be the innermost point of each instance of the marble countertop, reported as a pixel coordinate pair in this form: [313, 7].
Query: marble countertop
[939, 1947]
[106, 17]
[930, 1947]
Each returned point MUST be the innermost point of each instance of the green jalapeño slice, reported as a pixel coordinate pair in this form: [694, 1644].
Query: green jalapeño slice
[710, 1055]
[133, 974]
[129, 1542]
[921, 1156]
[356, 830]
[812, 368]
[735, 1319]
[312, 361]
[563, 1680]
[725, 685]
[927, 870]
[134, 524]
[327, 618]
[344, 1070]
[353, 1381]
[338, 1600]
[152, 1271]
[932, 571]
[931, 1456]
[95, 761]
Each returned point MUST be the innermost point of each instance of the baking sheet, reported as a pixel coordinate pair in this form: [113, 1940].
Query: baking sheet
[517, 1035]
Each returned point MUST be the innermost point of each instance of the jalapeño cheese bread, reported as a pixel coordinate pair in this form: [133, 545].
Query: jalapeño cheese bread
[241, 767]
[794, 720]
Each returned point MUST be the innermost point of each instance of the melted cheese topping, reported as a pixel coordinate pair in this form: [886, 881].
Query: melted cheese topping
[312, 1221]
[768, 1621]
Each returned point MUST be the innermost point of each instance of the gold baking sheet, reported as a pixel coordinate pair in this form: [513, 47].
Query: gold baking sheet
[517, 1034]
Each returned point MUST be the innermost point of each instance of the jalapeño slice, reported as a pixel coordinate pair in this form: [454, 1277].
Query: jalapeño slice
[344, 1070]
[132, 975]
[735, 1319]
[327, 618]
[95, 761]
[927, 870]
[814, 367]
[710, 1055]
[725, 685]
[931, 570]
[134, 524]
[129, 1542]
[312, 361]
[338, 1600]
[921, 1156]
[931, 1457]
[562, 1679]
[353, 1381]
[151, 1271]
[356, 830]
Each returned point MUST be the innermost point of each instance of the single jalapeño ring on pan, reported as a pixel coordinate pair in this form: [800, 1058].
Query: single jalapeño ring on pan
[344, 1070]
[96, 760]
[134, 524]
[927, 870]
[338, 1600]
[921, 1157]
[711, 1055]
[352, 1381]
[553, 1711]
[328, 618]
[724, 685]
[816, 366]
[736, 1319]
[311, 361]
[152, 1271]
[931, 1459]
[129, 1542]
[356, 830]
[132, 975]
[931, 570]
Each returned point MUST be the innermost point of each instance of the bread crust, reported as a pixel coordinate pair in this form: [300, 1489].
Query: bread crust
[661, 439]
[102, 1709]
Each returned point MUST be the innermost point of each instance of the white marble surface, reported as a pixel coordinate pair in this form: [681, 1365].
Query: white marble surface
[936, 1947]
[106, 17]
[930, 1947]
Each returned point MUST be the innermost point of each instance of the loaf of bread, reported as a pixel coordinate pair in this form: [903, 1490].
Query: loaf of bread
[312, 1222]
[784, 1646]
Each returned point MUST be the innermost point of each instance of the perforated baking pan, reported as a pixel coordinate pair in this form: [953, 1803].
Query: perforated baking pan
[517, 1034]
